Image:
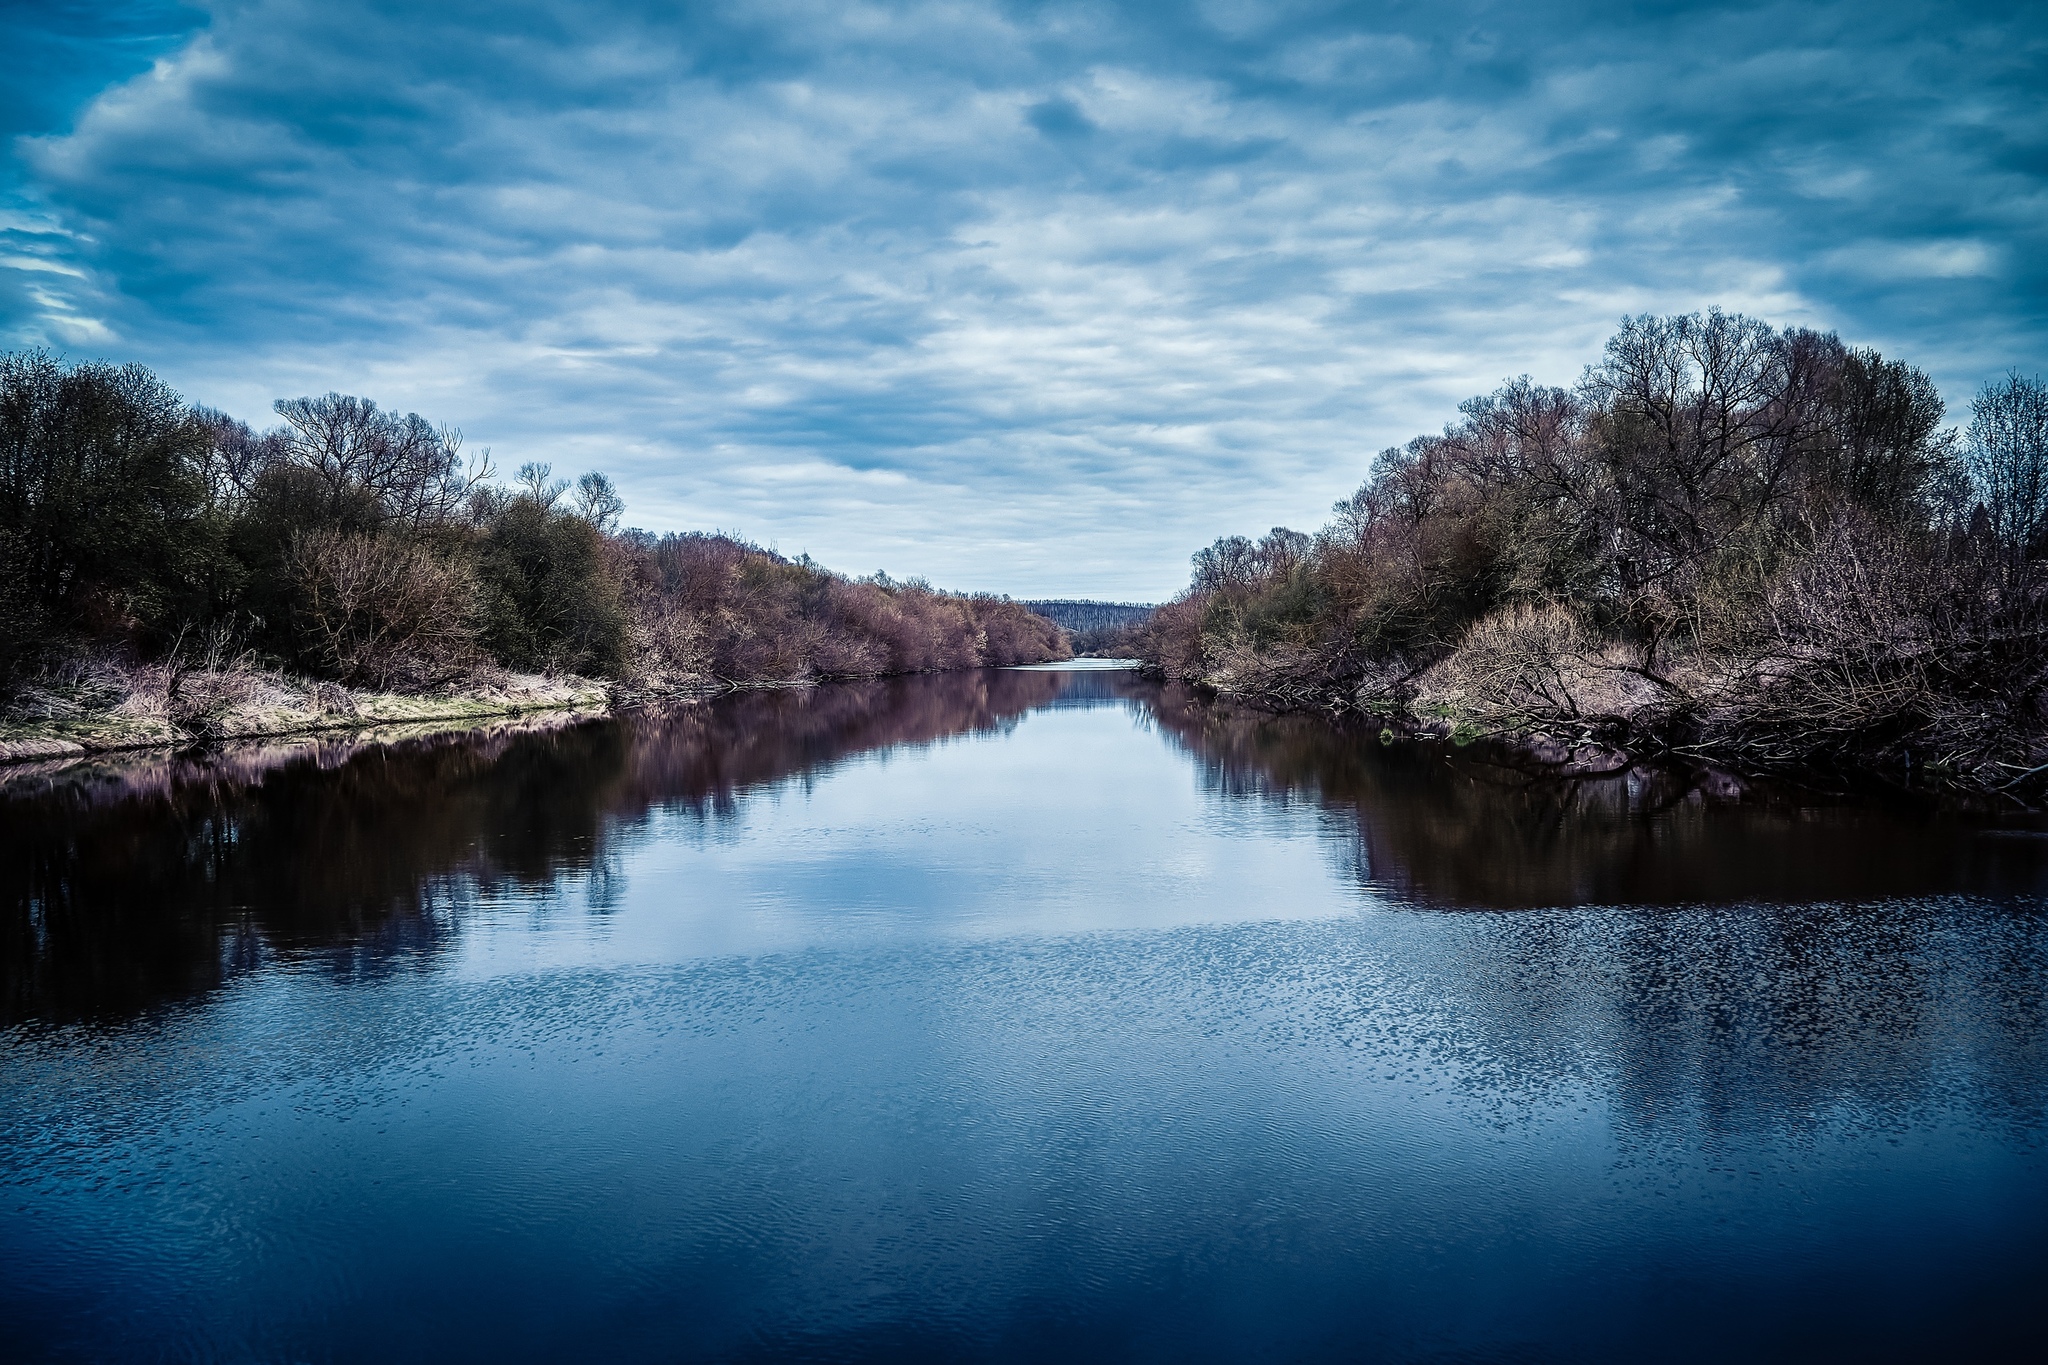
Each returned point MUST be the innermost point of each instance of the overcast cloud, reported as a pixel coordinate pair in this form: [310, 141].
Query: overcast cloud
[1025, 298]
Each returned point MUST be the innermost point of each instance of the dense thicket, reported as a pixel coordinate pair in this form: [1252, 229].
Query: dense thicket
[1755, 544]
[709, 604]
[358, 545]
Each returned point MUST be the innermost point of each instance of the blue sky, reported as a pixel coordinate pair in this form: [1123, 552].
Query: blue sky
[1026, 298]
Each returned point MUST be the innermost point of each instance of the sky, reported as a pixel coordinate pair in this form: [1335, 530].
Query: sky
[1022, 298]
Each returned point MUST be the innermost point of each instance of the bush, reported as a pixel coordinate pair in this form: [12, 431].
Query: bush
[554, 599]
[383, 612]
[1537, 664]
[723, 609]
[1012, 633]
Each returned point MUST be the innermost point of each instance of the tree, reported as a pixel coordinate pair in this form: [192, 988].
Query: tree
[103, 496]
[2007, 455]
[554, 598]
[598, 502]
[376, 467]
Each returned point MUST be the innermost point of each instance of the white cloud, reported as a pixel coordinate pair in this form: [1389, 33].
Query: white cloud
[1916, 260]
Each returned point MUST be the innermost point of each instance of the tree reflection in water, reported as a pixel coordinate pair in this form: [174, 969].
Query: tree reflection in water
[1813, 963]
[1425, 821]
[130, 884]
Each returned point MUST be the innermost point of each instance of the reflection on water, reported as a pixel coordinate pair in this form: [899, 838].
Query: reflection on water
[1014, 1014]
[1426, 822]
[129, 882]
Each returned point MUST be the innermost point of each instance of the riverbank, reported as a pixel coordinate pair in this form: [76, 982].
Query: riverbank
[1642, 735]
[105, 708]
[1728, 543]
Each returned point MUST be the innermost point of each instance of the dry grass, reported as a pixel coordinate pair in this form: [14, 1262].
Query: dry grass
[1534, 666]
[200, 692]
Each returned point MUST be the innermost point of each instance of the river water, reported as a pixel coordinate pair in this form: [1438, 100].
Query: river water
[1033, 1014]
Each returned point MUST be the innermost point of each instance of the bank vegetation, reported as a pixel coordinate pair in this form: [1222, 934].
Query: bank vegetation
[168, 571]
[1756, 547]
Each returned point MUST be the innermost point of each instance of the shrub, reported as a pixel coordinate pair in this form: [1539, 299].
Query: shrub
[554, 597]
[382, 611]
[1011, 633]
[719, 607]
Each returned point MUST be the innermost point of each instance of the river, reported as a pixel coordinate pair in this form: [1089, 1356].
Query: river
[1024, 1015]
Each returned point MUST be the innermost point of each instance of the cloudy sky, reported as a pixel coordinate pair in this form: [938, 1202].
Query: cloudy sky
[1017, 297]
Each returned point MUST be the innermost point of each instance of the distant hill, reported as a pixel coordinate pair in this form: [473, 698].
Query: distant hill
[1081, 617]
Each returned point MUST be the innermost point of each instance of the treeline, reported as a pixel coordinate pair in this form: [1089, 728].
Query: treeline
[1079, 615]
[1759, 546]
[1099, 629]
[358, 545]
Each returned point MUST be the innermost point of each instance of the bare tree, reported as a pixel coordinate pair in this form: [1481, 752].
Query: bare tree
[1230, 563]
[1693, 417]
[598, 502]
[2007, 454]
[535, 483]
[237, 456]
[403, 470]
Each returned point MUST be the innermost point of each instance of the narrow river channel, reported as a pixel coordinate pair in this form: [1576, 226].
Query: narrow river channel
[1027, 1014]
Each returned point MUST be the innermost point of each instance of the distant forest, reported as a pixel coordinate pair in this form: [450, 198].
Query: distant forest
[1097, 629]
[139, 534]
[1727, 541]
[1079, 616]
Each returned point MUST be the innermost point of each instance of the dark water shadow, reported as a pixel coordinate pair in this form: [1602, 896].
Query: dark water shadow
[1427, 822]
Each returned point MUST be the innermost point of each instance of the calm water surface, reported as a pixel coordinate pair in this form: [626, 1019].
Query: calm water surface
[1007, 1015]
